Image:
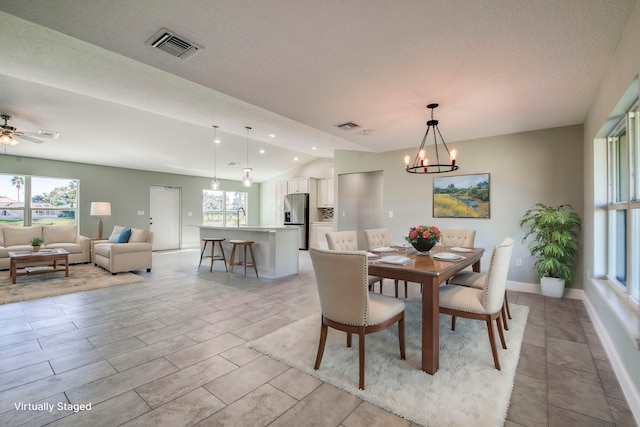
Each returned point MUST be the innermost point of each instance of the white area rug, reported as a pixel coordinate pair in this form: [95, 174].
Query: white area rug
[466, 390]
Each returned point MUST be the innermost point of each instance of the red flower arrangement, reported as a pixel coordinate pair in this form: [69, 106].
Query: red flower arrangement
[423, 237]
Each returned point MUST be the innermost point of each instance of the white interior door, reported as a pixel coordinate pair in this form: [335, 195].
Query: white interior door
[164, 217]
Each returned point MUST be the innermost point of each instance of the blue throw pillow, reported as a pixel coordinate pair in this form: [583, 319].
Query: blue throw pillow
[124, 236]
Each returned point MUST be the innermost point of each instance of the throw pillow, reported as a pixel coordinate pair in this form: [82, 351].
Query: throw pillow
[124, 236]
[117, 230]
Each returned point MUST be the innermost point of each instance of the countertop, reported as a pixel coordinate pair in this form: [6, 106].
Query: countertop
[249, 227]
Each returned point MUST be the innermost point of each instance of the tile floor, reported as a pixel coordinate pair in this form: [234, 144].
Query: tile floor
[171, 351]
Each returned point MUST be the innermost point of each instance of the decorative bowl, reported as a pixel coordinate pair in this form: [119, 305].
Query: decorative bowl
[423, 245]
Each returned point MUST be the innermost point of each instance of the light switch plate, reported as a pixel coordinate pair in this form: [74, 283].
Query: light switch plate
[140, 212]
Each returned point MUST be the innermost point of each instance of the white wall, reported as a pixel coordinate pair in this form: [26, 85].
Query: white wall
[525, 168]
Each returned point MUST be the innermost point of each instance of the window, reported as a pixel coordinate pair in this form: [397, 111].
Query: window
[623, 236]
[224, 208]
[12, 196]
[27, 200]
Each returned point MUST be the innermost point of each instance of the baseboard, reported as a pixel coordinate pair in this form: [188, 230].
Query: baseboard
[534, 288]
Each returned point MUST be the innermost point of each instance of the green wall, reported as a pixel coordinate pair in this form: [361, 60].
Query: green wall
[128, 192]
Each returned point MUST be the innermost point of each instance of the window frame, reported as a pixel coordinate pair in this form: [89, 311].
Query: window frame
[28, 209]
[227, 212]
[622, 196]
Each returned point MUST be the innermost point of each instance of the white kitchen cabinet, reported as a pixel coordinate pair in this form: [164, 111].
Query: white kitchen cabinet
[317, 234]
[298, 185]
[325, 193]
[282, 189]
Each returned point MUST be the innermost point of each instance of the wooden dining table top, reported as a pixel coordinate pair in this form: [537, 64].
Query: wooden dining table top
[424, 264]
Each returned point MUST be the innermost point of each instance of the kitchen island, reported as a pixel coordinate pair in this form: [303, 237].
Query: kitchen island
[275, 247]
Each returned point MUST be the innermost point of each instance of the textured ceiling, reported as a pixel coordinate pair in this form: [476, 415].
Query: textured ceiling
[294, 69]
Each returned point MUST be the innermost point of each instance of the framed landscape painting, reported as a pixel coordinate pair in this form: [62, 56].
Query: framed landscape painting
[462, 196]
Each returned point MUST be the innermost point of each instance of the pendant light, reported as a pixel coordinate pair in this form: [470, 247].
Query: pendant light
[421, 163]
[246, 179]
[215, 184]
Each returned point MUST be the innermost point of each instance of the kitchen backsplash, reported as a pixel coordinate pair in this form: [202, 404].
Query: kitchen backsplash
[327, 214]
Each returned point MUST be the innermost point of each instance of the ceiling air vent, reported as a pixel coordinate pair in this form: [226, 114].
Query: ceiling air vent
[174, 44]
[348, 126]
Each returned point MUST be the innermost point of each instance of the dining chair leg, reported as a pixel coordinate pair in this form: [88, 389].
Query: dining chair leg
[361, 336]
[501, 334]
[504, 317]
[453, 323]
[323, 339]
[349, 339]
[401, 337]
[406, 292]
[492, 342]
[506, 303]
[395, 282]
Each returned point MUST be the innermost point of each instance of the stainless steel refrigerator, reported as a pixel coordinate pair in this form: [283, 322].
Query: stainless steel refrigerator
[296, 214]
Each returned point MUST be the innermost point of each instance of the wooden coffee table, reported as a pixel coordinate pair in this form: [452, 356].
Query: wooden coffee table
[48, 256]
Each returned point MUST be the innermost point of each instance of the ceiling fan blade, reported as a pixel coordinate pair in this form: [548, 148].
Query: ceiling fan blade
[27, 138]
[49, 134]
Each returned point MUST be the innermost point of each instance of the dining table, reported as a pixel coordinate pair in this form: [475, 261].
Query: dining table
[430, 272]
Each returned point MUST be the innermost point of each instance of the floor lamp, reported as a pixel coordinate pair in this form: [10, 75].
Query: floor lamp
[100, 209]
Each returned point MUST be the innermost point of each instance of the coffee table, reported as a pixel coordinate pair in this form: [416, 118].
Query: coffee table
[48, 256]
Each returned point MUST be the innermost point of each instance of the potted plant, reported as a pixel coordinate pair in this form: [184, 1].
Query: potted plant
[554, 242]
[36, 242]
[423, 237]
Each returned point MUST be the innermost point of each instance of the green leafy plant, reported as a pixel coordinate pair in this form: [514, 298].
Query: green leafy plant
[554, 239]
[36, 241]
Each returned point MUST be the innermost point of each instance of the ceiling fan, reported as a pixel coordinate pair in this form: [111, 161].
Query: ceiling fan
[10, 135]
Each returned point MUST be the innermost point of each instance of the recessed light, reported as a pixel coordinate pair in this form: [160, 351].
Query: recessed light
[295, 159]
[314, 148]
[271, 135]
[262, 151]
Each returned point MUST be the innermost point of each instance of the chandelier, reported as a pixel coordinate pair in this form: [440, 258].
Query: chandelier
[246, 179]
[421, 162]
[215, 184]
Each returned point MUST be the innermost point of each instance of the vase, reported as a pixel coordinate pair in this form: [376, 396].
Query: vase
[423, 245]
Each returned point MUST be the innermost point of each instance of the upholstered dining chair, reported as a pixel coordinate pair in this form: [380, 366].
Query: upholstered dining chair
[476, 280]
[457, 237]
[464, 238]
[378, 238]
[482, 304]
[348, 241]
[348, 306]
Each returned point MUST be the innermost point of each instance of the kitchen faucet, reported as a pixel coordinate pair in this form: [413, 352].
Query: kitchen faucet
[243, 212]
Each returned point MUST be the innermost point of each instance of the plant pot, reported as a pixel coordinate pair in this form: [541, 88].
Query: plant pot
[552, 287]
[35, 248]
[423, 245]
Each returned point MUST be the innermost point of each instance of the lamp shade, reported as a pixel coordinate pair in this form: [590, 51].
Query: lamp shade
[100, 208]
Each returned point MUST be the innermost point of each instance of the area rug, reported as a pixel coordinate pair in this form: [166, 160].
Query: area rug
[82, 277]
[467, 390]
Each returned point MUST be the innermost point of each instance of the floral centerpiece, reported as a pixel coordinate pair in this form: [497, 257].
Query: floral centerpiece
[423, 237]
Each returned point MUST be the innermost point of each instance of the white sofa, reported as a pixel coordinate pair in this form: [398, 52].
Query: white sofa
[115, 257]
[54, 236]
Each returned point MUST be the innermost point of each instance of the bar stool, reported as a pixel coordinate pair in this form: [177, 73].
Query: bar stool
[214, 257]
[244, 244]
